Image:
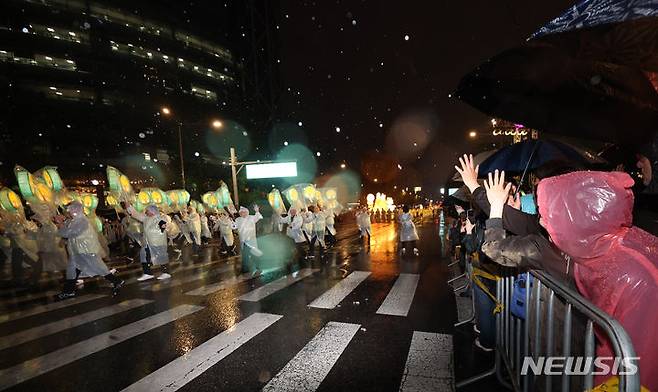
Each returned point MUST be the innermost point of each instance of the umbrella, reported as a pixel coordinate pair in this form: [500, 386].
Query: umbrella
[591, 73]
[531, 154]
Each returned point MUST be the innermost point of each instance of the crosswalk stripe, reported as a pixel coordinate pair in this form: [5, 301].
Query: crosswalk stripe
[399, 299]
[174, 282]
[281, 283]
[182, 370]
[212, 288]
[311, 365]
[430, 365]
[53, 360]
[342, 289]
[47, 308]
[28, 298]
[60, 325]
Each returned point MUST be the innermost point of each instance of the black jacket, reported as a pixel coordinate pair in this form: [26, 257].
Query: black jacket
[515, 221]
[531, 251]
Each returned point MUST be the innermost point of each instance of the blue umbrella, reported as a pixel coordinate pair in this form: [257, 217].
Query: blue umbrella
[529, 155]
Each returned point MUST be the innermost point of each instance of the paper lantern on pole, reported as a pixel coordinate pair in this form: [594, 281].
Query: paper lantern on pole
[210, 201]
[10, 201]
[225, 197]
[276, 202]
[295, 196]
[120, 187]
[370, 199]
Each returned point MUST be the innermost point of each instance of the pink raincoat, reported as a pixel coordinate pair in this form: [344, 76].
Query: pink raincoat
[589, 216]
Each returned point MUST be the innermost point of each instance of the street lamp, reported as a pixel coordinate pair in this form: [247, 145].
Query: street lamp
[472, 134]
[343, 166]
[216, 124]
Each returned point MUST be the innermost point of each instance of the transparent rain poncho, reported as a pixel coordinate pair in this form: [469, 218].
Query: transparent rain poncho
[589, 216]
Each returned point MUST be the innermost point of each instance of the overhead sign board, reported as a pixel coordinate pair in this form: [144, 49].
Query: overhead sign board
[271, 170]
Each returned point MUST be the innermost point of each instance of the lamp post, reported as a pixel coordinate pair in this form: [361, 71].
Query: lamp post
[167, 112]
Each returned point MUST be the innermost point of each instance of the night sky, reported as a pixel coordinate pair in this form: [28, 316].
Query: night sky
[382, 72]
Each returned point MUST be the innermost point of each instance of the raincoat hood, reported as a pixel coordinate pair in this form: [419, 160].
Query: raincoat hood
[585, 213]
[75, 208]
[589, 216]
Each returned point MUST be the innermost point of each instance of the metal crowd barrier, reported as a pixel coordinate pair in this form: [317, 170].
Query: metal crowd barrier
[515, 336]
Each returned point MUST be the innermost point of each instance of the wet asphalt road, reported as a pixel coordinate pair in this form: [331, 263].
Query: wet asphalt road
[210, 328]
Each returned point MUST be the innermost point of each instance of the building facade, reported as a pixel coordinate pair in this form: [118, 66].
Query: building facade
[83, 83]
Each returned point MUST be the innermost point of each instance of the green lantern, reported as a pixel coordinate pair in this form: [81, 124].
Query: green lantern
[10, 201]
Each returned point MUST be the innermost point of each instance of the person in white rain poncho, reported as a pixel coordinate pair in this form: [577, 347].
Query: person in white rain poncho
[307, 229]
[363, 222]
[319, 226]
[173, 231]
[295, 223]
[331, 228]
[182, 226]
[84, 250]
[224, 225]
[154, 251]
[205, 229]
[408, 233]
[245, 224]
[133, 229]
[193, 221]
[52, 255]
[24, 249]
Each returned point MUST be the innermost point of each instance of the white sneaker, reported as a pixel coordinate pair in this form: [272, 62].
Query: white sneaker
[164, 276]
[416, 252]
[145, 277]
[404, 251]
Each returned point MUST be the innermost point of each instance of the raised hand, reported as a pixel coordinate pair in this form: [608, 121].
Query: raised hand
[469, 172]
[497, 193]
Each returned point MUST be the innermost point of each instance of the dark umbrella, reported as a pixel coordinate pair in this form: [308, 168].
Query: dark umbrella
[531, 154]
[591, 73]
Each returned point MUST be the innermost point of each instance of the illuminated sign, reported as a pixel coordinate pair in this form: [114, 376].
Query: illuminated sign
[515, 132]
[272, 170]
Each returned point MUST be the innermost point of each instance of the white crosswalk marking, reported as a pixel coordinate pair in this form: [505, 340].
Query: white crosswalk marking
[47, 308]
[336, 294]
[27, 298]
[175, 282]
[311, 365]
[430, 365]
[60, 325]
[272, 287]
[399, 299]
[212, 288]
[53, 360]
[184, 369]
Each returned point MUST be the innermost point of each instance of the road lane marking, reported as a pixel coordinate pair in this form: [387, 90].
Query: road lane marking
[399, 299]
[71, 322]
[212, 288]
[342, 289]
[53, 360]
[281, 283]
[186, 368]
[47, 308]
[175, 282]
[27, 298]
[307, 370]
[430, 365]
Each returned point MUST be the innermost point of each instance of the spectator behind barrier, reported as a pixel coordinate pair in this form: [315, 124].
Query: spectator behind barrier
[589, 216]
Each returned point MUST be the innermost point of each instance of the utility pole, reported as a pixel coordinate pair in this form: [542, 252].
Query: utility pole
[234, 172]
[235, 169]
